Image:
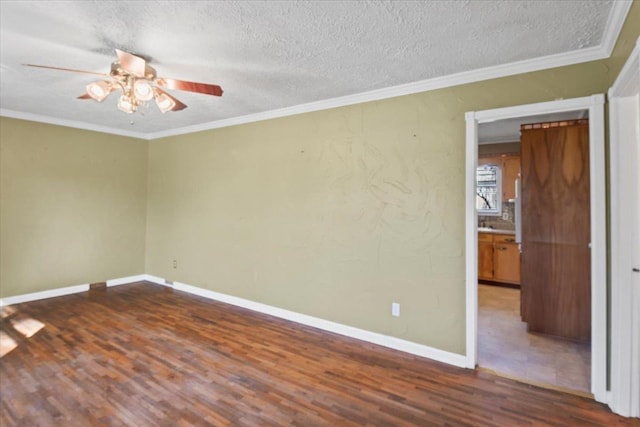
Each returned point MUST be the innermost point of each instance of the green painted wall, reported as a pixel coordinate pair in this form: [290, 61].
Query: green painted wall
[626, 42]
[72, 206]
[339, 213]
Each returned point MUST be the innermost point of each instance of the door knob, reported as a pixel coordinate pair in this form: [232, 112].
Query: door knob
[635, 270]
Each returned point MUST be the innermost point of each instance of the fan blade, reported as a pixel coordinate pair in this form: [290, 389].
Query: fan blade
[190, 86]
[131, 63]
[179, 105]
[67, 69]
[84, 96]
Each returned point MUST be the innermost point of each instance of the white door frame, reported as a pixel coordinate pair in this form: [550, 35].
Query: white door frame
[595, 105]
[624, 140]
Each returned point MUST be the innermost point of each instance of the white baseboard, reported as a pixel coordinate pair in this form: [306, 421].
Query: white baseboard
[52, 293]
[126, 280]
[157, 280]
[349, 331]
[316, 322]
[43, 294]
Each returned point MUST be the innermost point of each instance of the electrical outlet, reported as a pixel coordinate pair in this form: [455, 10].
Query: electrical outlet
[175, 263]
[395, 309]
[505, 216]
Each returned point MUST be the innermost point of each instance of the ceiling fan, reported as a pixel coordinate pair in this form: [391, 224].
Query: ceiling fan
[139, 84]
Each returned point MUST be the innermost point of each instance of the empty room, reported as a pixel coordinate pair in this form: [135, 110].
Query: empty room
[319, 213]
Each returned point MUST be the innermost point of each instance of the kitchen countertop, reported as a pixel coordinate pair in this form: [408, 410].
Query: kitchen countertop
[495, 231]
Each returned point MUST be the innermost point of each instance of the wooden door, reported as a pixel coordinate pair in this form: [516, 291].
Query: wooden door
[555, 259]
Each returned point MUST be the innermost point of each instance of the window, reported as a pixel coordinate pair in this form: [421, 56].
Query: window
[488, 200]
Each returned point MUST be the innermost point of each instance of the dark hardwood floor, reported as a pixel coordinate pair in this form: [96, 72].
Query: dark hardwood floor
[145, 355]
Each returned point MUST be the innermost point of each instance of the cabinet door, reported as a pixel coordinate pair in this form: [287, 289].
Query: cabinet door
[485, 260]
[490, 160]
[506, 263]
[510, 170]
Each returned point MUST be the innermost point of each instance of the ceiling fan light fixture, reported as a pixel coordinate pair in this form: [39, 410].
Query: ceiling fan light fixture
[137, 80]
[164, 102]
[126, 104]
[143, 90]
[99, 90]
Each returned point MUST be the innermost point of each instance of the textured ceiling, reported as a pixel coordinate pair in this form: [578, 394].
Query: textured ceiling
[269, 55]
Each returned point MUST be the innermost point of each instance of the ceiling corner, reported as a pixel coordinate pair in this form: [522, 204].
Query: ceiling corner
[615, 22]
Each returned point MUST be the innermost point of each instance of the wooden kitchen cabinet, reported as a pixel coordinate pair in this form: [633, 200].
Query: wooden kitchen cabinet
[509, 165]
[485, 261]
[506, 263]
[498, 258]
[490, 160]
[510, 171]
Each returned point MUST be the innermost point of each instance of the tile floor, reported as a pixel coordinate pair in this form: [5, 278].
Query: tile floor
[505, 346]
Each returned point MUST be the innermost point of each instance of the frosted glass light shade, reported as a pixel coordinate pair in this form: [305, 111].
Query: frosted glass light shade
[126, 104]
[99, 90]
[142, 90]
[164, 102]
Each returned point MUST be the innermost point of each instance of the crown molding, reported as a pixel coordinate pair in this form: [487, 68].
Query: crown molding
[617, 16]
[472, 76]
[69, 123]
[615, 21]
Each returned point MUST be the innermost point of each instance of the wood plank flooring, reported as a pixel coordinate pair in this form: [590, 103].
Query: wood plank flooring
[505, 346]
[145, 355]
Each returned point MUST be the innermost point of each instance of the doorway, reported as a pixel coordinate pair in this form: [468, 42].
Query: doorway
[533, 321]
[507, 349]
[595, 107]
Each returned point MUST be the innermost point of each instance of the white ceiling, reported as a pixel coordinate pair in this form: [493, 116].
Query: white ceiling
[281, 57]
